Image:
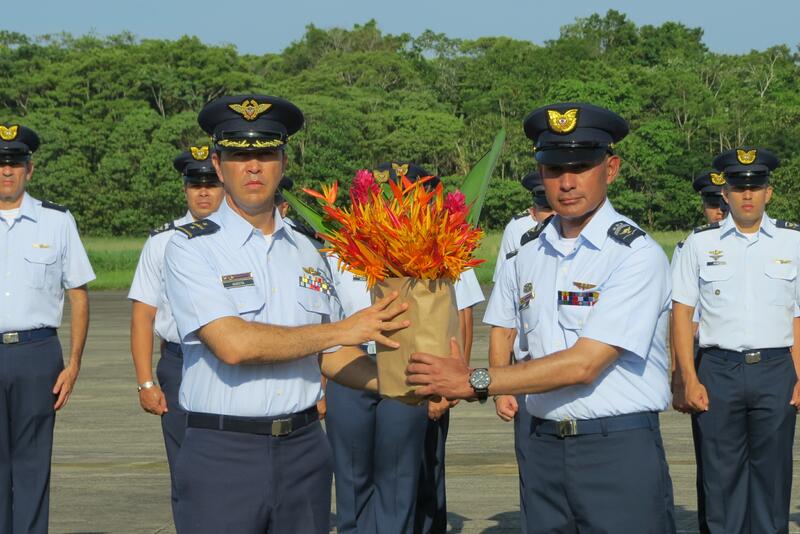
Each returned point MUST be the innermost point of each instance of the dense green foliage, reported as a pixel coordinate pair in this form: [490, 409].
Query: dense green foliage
[113, 112]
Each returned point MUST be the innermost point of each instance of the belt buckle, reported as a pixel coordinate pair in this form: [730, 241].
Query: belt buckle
[752, 357]
[567, 427]
[10, 337]
[281, 427]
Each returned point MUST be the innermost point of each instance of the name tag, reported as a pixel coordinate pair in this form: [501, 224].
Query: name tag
[231, 281]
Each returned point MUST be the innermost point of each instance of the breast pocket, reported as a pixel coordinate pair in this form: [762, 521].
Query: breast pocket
[781, 280]
[249, 300]
[715, 285]
[40, 264]
[314, 307]
[573, 317]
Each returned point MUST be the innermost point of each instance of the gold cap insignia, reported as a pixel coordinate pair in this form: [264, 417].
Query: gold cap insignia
[250, 109]
[199, 152]
[8, 134]
[746, 157]
[584, 285]
[381, 176]
[400, 170]
[562, 122]
[717, 179]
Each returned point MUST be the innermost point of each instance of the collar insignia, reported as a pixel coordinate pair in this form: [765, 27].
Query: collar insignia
[200, 152]
[8, 134]
[562, 122]
[400, 170]
[584, 285]
[717, 178]
[250, 109]
[746, 157]
[715, 254]
[381, 176]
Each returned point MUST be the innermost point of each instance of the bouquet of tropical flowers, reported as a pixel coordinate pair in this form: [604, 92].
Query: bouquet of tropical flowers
[402, 235]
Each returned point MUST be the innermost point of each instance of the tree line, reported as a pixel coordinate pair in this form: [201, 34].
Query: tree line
[114, 111]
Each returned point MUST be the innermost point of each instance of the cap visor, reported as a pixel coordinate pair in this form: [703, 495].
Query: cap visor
[570, 156]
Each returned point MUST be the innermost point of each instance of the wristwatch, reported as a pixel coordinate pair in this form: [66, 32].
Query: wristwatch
[146, 385]
[479, 379]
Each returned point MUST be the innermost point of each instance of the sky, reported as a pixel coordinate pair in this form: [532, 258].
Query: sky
[259, 26]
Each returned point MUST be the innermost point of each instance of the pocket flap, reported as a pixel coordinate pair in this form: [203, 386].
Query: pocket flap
[783, 271]
[573, 317]
[248, 299]
[315, 302]
[41, 255]
[715, 273]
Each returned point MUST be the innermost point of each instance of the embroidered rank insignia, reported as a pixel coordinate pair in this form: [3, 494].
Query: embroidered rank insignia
[163, 228]
[533, 233]
[787, 225]
[717, 178]
[624, 233]
[709, 226]
[400, 170]
[199, 152]
[313, 280]
[198, 228]
[584, 285]
[54, 206]
[578, 298]
[511, 254]
[746, 157]
[562, 122]
[232, 281]
[381, 176]
[250, 109]
[8, 133]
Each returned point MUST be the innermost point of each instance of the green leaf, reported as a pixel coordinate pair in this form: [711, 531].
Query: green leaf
[476, 183]
[312, 217]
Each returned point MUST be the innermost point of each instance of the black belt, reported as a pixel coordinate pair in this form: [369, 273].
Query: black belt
[601, 425]
[26, 336]
[268, 426]
[748, 356]
[174, 348]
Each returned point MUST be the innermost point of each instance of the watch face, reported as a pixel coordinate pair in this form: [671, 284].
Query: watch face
[479, 379]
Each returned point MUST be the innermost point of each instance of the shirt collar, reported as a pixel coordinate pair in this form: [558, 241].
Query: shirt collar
[596, 230]
[767, 226]
[240, 229]
[28, 208]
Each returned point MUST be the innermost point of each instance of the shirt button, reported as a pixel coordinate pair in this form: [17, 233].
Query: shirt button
[716, 292]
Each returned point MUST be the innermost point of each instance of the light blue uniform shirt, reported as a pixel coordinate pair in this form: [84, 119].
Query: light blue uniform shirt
[148, 285]
[512, 234]
[631, 312]
[747, 291]
[42, 255]
[235, 273]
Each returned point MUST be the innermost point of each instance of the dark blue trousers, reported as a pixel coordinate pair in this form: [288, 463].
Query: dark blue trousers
[522, 431]
[173, 423]
[28, 372]
[377, 449]
[616, 482]
[431, 496]
[746, 439]
[249, 483]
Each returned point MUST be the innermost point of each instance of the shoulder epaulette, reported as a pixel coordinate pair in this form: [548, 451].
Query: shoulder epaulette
[709, 226]
[787, 225]
[624, 233]
[54, 206]
[511, 254]
[680, 243]
[306, 230]
[198, 228]
[522, 214]
[163, 228]
[534, 232]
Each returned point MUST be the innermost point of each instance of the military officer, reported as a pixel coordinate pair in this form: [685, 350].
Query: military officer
[741, 273]
[151, 310]
[254, 306]
[589, 292]
[43, 257]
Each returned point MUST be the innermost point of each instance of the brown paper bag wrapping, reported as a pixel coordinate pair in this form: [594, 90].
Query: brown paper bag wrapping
[433, 314]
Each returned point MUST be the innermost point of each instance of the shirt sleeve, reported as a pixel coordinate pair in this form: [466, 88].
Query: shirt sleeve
[194, 290]
[631, 302]
[468, 290]
[147, 280]
[685, 276]
[75, 267]
[502, 307]
[506, 245]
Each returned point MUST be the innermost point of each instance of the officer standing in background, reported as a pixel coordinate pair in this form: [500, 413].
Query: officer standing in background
[151, 310]
[281, 203]
[709, 186]
[590, 294]
[43, 256]
[742, 275]
[254, 306]
[507, 406]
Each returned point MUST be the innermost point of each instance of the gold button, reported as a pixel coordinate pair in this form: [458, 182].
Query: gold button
[716, 292]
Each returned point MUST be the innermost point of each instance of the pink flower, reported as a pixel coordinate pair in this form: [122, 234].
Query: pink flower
[363, 185]
[455, 202]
